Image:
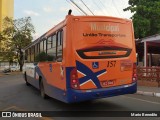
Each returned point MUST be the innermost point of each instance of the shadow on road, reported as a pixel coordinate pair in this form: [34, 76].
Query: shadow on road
[105, 104]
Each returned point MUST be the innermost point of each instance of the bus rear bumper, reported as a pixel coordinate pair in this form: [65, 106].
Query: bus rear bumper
[84, 95]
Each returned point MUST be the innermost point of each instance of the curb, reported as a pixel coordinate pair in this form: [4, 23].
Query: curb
[154, 94]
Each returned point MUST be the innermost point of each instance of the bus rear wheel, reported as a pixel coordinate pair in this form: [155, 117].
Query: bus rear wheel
[42, 91]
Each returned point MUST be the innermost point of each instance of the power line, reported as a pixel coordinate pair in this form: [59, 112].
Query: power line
[108, 7]
[103, 5]
[116, 8]
[87, 7]
[74, 7]
[98, 7]
[79, 7]
[113, 8]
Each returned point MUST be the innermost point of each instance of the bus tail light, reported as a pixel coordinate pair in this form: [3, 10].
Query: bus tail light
[126, 65]
[74, 79]
[134, 75]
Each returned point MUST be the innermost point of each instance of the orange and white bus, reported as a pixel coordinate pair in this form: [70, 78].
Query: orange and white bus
[83, 58]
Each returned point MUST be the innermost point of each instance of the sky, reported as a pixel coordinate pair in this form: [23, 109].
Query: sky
[45, 14]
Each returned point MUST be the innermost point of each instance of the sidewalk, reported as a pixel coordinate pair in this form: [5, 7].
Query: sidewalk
[10, 73]
[148, 91]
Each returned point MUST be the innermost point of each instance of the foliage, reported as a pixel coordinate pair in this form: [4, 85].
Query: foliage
[42, 56]
[15, 36]
[6, 47]
[146, 17]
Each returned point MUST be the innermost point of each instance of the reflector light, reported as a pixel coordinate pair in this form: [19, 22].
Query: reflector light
[73, 76]
[134, 75]
[134, 79]
[75, 85]
[74, 79]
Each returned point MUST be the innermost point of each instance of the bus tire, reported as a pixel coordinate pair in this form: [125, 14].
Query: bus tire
[25, 78]
[42, 91]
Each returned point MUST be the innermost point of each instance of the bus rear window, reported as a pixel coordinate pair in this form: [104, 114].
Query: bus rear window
[101, 40]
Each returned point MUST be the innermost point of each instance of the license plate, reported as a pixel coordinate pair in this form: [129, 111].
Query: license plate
[108, 83]
[111, 82]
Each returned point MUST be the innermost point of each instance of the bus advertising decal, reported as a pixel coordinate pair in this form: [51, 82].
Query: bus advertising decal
[90, 75]
[37, 76]
[95, 65]
[50, 67]
[102, 35]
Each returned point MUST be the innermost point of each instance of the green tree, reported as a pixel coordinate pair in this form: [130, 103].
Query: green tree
[6, 47]
[146, 17]
[16, 35]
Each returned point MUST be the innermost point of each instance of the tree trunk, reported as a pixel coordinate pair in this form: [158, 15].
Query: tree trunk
[21, 60]
[21, 66]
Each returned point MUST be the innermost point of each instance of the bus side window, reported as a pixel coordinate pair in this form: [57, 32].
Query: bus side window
[41, 46]
[29, 55]
[36, 49]
[32, 53]
[45, 45]
[49, 43]
[51, 50]
[59, 45]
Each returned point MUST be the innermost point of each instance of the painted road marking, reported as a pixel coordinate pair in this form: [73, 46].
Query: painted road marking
[13, 107]
[142, 100]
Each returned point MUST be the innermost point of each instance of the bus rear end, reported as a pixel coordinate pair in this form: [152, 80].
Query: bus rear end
[103, 58]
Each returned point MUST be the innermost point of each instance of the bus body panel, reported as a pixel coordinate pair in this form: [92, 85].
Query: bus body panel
[53, 73]
[114, 44]
[30, 70]
[91, 94]
[54, 85]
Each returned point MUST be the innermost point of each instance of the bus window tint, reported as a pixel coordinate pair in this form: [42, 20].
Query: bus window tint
[36, 50]
[49, 43]
[51, 51]
[29, 54]
[54, 41]
[59, 45]
[44, 42]
[41, 46]
[32, 54]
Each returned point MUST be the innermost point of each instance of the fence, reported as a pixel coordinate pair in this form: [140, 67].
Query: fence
[150, 75]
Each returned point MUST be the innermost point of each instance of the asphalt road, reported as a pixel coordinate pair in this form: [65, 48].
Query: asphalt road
[16, 96]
